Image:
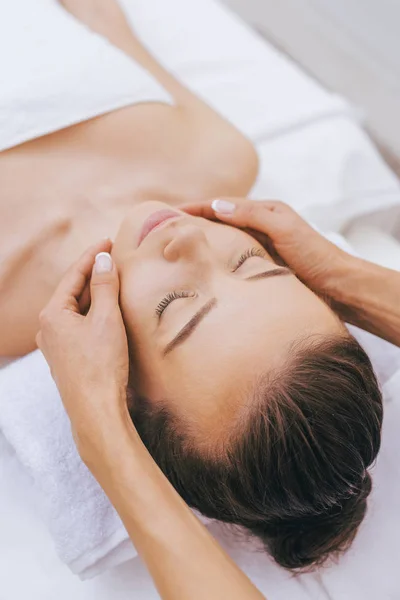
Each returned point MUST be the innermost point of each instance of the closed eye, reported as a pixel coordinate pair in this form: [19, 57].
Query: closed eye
[169, 298]
[249, 254]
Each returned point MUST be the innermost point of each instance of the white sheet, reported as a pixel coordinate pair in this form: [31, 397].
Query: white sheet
[331, 173]
[310, 149]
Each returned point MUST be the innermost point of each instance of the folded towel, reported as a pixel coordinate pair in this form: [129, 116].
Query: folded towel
[88, 534]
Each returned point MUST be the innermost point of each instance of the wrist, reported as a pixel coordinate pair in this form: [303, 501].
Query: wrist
[120, 458]
[338, 280]
[99, 434]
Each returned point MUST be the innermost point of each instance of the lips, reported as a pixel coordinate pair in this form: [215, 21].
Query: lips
[155, 220]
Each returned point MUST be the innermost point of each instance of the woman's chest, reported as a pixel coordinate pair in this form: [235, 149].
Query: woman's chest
[63, 192]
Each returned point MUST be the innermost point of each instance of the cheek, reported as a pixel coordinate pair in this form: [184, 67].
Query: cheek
[140, 283]
[134, 291]
[136, 299]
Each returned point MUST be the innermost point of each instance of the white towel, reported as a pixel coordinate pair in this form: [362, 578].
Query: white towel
[55, 72]
[88, 534]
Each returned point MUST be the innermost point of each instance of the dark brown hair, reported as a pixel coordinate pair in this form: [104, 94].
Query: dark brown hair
[294, 472]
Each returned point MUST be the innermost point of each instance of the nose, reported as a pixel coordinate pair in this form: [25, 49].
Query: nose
[188, 243]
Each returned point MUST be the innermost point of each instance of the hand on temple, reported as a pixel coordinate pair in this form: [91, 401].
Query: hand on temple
[88, 354]
[88, 357]
[361, 292]
[313, 258]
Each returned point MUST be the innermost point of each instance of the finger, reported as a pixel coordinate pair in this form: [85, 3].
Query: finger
[209, 209]
[84, 300]
[104, 286]
[200, 209]
[263, 216]
[73, 283]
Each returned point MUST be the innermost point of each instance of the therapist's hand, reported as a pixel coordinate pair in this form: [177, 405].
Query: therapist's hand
[313, 258]
[88, 354]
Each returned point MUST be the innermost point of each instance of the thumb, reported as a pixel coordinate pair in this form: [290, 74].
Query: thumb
[104, 285]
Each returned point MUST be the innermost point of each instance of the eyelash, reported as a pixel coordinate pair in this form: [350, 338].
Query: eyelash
[166, 301]
[169, 298]
[249, 254]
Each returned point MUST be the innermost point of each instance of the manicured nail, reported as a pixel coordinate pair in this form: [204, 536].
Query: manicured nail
[223, 206]
[103, 263]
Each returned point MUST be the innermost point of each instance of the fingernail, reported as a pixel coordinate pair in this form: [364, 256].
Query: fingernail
[103, 263]
[223, 206]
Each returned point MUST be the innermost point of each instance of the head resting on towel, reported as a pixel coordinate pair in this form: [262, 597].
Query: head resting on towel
[246, 388]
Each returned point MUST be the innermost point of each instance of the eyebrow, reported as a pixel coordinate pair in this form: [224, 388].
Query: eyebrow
[190, 326]
[195, 321]
[271, 273]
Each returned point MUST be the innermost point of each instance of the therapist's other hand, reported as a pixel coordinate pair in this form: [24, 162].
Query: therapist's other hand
[88, 354]
[313, 258]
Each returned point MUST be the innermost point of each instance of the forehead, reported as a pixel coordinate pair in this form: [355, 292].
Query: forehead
[247, 335]
[266, 313]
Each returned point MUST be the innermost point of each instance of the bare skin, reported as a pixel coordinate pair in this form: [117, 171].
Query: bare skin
[248, 313]
[75, 186]
[184, 560]
[92, 387]
[362, 293]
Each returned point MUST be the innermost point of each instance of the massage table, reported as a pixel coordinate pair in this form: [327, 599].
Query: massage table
[315, 155]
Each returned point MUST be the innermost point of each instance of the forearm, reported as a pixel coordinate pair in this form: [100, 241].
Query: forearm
[368, 296]
[183, 558]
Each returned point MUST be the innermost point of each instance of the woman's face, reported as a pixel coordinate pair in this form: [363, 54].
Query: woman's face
[208, 312]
